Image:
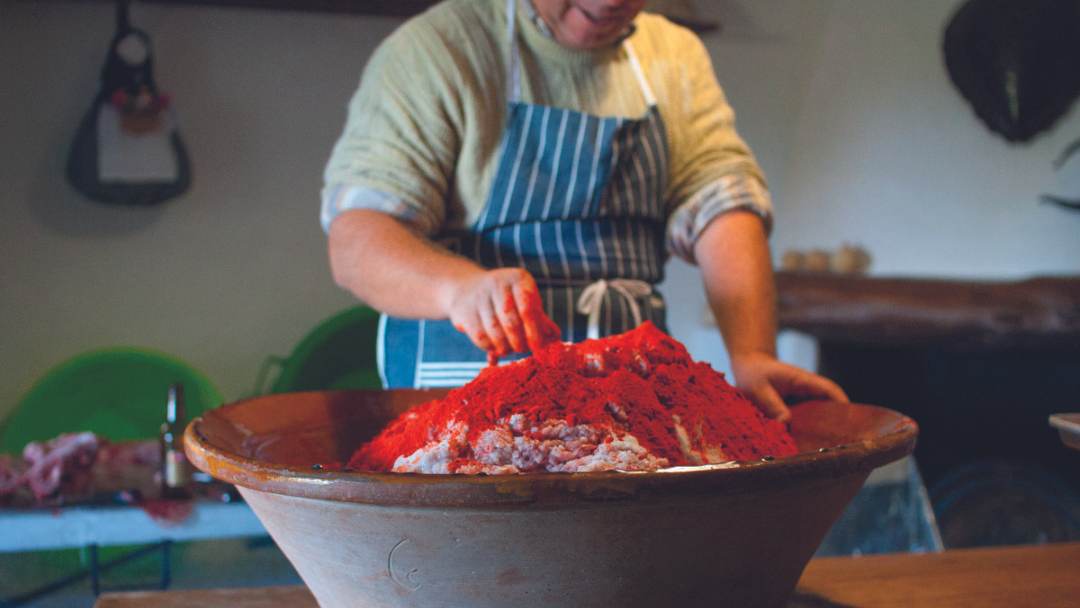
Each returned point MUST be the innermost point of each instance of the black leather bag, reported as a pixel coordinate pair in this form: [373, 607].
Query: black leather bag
[127, 150]
[1016, 61]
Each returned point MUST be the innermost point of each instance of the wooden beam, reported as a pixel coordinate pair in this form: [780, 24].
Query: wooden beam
[383, 8]
[1035, 313]
[376, 8]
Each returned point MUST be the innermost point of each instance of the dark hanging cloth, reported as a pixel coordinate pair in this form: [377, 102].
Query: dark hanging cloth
[127, 150]
[1016, 61]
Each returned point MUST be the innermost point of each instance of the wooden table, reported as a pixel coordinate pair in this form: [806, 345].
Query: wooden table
[1045, 576]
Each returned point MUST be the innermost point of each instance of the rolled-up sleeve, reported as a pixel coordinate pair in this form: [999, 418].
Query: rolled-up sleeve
[397, 151]
[712, 169]
[339, 198]
[737, 191]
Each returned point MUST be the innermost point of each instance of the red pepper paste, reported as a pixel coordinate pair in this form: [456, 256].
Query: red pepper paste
[635, 401]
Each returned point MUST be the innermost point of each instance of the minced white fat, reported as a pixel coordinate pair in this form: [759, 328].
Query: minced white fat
[555, 446]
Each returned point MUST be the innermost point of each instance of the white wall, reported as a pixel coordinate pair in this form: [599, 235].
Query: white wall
[235, 269]
[865, 140]
[765, 57]
[846, 104]
[892, 156]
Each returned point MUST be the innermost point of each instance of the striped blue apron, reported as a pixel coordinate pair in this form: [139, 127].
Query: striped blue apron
[577, 200]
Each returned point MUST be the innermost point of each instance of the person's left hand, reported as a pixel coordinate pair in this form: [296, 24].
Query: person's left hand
[769, 382]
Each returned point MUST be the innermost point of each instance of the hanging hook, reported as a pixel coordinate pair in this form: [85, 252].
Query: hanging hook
[1066, 154]
[123, 22]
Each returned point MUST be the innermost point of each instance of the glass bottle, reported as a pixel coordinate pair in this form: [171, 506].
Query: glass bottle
[175, 472]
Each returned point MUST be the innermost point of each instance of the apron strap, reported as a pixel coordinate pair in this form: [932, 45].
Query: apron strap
[513, 92]
[646, 90]
[592, 300]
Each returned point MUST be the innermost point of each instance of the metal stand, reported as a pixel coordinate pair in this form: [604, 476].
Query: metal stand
[94, 572]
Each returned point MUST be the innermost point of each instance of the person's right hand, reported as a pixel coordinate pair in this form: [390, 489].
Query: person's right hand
[500, 311]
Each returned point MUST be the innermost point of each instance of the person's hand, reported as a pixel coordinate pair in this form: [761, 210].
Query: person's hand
[500, 311]
[769, 382]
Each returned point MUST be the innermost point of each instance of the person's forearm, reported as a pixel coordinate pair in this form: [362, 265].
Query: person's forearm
[392, 269]
[733, 255]
[734, 258]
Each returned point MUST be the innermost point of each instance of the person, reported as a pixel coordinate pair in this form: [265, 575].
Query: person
[516, 171]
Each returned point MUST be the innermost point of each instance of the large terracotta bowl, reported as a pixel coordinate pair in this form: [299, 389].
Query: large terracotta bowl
[729, 537]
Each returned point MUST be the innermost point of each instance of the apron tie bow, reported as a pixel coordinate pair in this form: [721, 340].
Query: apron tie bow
[592, 300]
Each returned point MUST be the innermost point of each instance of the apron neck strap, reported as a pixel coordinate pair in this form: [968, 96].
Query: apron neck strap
[646, 90]
[513, 92]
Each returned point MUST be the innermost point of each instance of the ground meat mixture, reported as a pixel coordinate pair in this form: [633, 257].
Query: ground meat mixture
[631, 402]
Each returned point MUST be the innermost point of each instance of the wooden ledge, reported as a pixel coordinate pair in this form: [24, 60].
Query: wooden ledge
[1041, 312]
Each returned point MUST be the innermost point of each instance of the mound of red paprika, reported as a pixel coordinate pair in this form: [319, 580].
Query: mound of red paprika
[642, 383]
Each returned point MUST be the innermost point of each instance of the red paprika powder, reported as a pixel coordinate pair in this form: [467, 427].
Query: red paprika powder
[603, 398]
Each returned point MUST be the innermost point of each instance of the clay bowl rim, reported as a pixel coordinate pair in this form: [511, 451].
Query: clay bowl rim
[544, 489]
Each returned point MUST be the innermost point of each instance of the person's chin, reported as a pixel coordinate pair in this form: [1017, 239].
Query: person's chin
[591, 38]
[584, 33]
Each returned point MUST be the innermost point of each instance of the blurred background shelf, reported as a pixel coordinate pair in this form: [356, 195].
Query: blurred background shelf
[980, 365]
